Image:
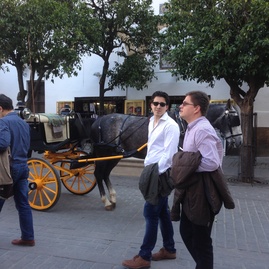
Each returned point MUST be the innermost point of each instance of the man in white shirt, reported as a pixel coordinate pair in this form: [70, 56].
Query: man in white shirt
[163, 139]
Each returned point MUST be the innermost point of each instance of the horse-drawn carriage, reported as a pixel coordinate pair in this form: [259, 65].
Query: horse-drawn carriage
[69, 157]
[80, 153]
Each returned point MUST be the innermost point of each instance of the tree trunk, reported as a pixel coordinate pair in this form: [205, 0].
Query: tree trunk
[102, 101]
[22, 92]
[30, 100]
[247, 156]
[245, 100]
[102, 82]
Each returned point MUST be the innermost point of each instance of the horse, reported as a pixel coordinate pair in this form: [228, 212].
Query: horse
[227, 124]
[121, 134]
[116, 134]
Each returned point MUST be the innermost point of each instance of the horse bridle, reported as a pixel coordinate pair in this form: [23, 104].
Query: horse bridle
[228, 113]
[119, 136]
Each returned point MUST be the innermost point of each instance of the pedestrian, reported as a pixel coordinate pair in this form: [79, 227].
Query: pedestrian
[163, 139]
[15, 133]
[202, 191]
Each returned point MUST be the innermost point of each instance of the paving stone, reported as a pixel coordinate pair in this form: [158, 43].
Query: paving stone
[79, 233]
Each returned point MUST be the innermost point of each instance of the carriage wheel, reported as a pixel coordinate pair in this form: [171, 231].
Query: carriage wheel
[79, 180]
[44, 184]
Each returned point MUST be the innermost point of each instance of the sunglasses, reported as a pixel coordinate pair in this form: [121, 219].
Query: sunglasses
[162, 104]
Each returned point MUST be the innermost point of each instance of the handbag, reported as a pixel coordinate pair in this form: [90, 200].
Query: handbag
[6, 181]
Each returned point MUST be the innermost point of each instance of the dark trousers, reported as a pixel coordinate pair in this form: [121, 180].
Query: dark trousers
[198, 241]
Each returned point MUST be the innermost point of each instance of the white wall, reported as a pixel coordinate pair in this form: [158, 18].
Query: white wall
[261, 107]
[86, 84]
[9, 84]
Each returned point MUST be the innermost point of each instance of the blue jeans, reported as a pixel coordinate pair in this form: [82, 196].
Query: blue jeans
[20, 174]
[153, 215]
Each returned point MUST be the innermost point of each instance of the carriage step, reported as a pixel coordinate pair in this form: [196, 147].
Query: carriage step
[128, 167]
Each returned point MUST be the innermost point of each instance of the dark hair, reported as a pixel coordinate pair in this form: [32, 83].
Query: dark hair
[161, 94]
[201, 99]
[5, 102]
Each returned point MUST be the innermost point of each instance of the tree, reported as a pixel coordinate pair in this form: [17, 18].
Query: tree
[10, 34]
[129, 29]
[210, 40]
[51, 36]
[46, 36]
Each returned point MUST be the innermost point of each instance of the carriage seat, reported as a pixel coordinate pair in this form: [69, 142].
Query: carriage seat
[56, 127]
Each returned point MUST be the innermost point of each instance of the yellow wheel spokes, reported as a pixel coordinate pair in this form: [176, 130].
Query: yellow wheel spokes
[44, 184]
[79, 180]
[41, 193]
[83, 179]
[38, 196]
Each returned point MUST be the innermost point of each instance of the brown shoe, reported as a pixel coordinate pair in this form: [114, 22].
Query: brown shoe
[163, 254]
[136, 263]
[21, 242]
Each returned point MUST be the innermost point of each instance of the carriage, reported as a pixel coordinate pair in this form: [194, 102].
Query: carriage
[68, 158]
[81, 153]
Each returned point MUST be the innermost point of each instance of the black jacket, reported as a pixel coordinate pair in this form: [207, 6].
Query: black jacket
[148, 183]
[152, 185]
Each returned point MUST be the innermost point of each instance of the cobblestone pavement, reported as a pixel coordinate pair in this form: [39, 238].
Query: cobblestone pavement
[79, 233]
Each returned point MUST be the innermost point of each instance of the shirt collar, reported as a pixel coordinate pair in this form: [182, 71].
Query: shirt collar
[163, 117]
[192, 124]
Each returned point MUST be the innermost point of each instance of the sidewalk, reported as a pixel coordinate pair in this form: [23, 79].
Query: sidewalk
[79, 233]
[231, 168]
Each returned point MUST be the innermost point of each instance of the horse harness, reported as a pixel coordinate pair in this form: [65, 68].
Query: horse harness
[117, 146]
[232, 121]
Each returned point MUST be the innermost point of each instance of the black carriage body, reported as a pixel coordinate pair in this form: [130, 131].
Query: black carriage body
[52, 133]
[67, 151]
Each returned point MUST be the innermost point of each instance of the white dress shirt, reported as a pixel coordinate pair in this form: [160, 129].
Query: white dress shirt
[163, 142]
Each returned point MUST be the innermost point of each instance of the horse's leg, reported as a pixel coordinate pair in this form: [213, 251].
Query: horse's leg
[99, 175]
[112, 193]
[102, 172]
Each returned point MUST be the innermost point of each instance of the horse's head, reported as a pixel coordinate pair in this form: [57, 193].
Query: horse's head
[225, 118]
[229, 125]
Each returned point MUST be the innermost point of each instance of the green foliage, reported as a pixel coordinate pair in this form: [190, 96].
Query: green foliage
[51, 37]
[213, 39]
[133, 72]
[56, 41]
[44, 34]
[126, 28]
[208, 40]
[12, 35]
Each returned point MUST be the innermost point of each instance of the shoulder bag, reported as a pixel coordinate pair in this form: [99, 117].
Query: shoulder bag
[6, 181]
